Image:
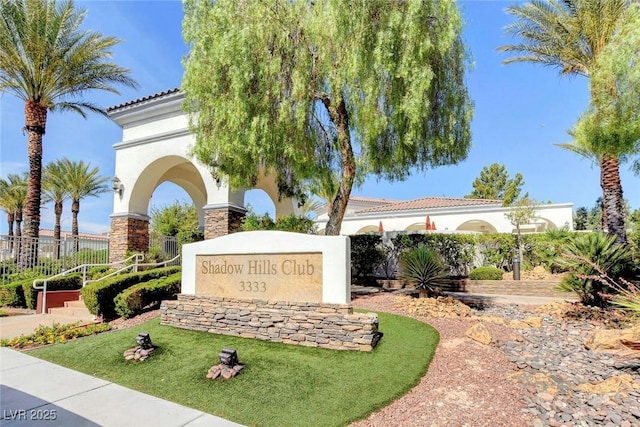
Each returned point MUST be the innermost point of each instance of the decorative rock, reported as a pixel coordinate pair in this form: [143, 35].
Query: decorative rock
[479, 333]
[589, 387]
[609, 339]
[129, 357]
[621, 383]
[533, 321]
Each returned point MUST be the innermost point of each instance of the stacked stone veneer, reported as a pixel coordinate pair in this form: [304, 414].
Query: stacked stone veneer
[333, 326]
[127, 235]
[222, 221]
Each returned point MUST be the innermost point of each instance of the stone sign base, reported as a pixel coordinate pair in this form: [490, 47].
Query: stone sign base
[333, 326]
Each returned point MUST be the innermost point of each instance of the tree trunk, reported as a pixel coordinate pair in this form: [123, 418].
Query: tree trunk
[20, 242]
[56, 228]
[75, 210]
[35, 123]
[612, 197]
[10, 221]
[340, 118]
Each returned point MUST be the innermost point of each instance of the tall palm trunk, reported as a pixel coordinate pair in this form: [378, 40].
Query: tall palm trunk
[18, 233]
[612, 197]
[75, 210]
[35, 123]
[56, 228]
[10, 221]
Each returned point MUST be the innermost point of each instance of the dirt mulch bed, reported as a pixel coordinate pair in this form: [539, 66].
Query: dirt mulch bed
[466, 384]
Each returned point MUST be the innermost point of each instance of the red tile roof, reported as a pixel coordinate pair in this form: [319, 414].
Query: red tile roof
[143, 99]
[372, 199]
[431, 203]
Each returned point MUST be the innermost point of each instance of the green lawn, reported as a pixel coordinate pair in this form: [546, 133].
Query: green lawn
[281, 385]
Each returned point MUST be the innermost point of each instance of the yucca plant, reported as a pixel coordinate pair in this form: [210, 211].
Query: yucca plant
[422, 268]
[586, 257]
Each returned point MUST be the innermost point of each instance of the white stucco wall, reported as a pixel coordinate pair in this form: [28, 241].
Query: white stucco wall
[555, 216]
[155, 148]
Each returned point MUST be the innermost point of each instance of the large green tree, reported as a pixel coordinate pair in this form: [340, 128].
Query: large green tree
[494, 183]
[81, 181]
[51, 63]
[306, 89]
[178, 219]
[571, 35]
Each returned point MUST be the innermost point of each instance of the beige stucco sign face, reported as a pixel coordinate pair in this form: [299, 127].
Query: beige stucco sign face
[279, 276]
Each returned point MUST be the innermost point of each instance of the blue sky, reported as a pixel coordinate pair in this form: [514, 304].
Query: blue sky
[521, 110]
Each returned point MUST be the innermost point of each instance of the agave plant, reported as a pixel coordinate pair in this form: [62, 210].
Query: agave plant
[422, 268]
[589, 256]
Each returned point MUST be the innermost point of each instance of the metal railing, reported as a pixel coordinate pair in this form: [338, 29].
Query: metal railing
[134, 268]
[51, 256]
[135, 259]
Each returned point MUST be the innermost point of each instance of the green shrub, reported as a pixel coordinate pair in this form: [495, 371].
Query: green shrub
[91, 256]
[64, 283]
[12, 295]
[486, 273]
[131, 301]
[586, 257]
[293, 223]
[99, 296]
[366, 254]
[456, 251]
[423, 268]
[497, 249]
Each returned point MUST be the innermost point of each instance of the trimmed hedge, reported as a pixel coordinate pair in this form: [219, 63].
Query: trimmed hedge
[486, 273]
[99, 296]
[21, 293]
[12, 295]
[131, 301]
[65, 283]
[366, 253]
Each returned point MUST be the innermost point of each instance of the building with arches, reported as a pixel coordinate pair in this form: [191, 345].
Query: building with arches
[155, 148]
[365, 215]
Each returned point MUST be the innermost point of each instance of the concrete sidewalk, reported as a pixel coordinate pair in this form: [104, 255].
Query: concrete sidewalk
[34, 392]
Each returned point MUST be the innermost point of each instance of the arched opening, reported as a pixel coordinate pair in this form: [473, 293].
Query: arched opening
[259, 202]
[478, 226]
[418, 226]
[368, 229]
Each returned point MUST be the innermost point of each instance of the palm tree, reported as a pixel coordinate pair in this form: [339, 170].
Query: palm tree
[55, 189]
[81, 182]
[7, 205]
[50, 63]
[570, 35]
[13, 193]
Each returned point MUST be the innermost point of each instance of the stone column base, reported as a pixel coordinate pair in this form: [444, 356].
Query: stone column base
[222, 220]
[129, 233]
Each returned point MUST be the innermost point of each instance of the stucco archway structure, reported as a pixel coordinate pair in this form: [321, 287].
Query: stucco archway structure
[155, 148]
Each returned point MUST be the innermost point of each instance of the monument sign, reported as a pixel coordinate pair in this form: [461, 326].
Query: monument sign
[271, 265]
[282, 287]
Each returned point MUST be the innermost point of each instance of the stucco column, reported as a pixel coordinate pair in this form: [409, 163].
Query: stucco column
[129, 233]
[222, 219]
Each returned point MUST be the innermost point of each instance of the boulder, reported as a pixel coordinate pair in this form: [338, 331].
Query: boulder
[617, 384]
[610, 339]
[479, 333]
[533, 321]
